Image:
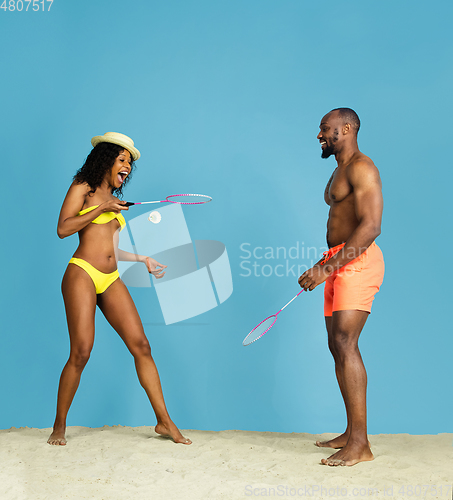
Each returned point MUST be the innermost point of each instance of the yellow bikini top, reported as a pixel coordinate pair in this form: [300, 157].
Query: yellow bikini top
[105, 217]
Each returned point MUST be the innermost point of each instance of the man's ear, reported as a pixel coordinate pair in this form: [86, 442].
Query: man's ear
[346, 129]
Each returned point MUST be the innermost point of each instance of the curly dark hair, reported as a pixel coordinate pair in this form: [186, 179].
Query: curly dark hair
[98, 163]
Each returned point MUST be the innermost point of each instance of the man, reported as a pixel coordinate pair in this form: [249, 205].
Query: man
[353, 269]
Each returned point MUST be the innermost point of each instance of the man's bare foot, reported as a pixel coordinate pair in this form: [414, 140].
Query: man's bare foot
[172, 432]
[339, 442]
[57, 437]
[351, 454]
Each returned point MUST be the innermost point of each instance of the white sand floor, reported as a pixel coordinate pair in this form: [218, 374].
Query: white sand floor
[134, 463]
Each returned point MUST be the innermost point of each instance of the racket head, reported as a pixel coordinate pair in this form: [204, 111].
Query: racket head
[188, 199]
[260, 330]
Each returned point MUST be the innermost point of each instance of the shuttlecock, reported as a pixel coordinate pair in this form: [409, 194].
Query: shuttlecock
[155, 217]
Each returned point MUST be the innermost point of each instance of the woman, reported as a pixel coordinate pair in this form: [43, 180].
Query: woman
[92, 278]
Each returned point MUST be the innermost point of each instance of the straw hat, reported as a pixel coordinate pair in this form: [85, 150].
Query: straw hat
[120, 139]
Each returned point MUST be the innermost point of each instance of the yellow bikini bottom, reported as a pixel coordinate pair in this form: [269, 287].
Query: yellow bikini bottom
[101, 280]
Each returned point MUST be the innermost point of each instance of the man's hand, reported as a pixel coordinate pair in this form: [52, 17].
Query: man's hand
[153, 267]
[314, 277]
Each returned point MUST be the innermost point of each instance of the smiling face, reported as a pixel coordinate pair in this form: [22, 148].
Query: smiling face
[330, 134]
[121, 168]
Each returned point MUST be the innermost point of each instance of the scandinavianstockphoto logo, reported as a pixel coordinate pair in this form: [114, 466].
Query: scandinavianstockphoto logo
[319, 490]
[280, 261]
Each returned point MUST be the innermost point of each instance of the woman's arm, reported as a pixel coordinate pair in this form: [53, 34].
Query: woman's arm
[154, 267]
[130, 257]
[69, 222]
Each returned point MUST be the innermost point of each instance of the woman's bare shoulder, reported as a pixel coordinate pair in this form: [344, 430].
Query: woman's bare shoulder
[75, 197]
[82, 188]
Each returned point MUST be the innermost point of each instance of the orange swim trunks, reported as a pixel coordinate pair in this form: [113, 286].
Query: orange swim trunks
[354, 285]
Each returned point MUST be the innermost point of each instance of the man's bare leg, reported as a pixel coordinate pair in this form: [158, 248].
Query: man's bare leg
[341, 440]
[346, 327]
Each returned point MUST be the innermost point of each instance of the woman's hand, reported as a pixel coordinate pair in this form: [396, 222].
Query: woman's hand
[114, 205]
[153, 267]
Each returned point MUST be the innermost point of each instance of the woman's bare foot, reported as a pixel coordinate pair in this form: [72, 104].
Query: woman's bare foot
[351, 454]
[57, 437]
[172, 432]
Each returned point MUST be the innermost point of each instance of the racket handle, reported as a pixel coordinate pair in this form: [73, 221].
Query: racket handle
[129, 203]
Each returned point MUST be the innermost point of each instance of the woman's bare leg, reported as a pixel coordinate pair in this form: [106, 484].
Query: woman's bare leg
[80, 301]
[119, 310]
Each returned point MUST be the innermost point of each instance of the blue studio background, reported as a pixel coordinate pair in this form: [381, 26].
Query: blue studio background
[225, 98]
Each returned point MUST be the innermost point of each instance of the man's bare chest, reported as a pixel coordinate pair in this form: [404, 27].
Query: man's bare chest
[338, 188]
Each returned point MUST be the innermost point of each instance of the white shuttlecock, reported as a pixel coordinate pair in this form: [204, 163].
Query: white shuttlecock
[155, 217]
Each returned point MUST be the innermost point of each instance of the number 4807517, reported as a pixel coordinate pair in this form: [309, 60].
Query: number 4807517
[25, 5]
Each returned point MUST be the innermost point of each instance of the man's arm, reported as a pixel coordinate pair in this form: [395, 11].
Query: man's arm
[368, 203]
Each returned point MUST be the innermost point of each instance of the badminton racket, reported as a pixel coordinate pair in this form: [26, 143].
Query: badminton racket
[265, 325]
[182, 199]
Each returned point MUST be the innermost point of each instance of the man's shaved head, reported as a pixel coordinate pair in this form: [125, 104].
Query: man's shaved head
[348, 115]
[338, 129]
